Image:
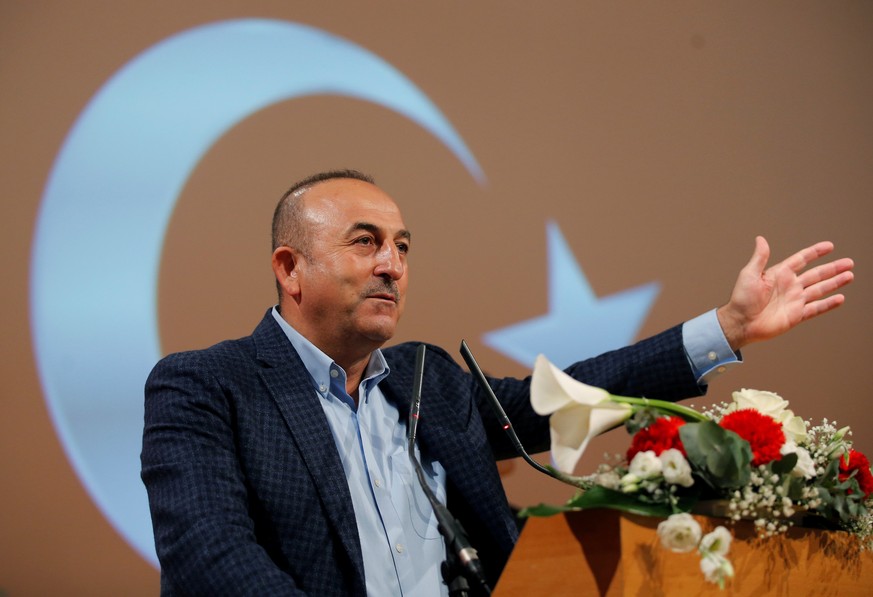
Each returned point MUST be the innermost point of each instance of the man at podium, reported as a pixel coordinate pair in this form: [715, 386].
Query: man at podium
[276, 464]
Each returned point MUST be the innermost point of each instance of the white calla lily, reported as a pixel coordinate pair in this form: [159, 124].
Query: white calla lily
[578, 412]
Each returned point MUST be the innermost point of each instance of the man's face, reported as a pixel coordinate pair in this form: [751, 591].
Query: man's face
[353, 282]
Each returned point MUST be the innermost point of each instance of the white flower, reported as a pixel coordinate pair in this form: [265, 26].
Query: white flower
[793, 426]
[805, 466]
[716, 569]
[768, 403]
[629, 483]
[838, 446]
[645, 465]
[676, 469]
[679, 533]
[716, 542]
[578, 412]
[609, 479]
[772, 405]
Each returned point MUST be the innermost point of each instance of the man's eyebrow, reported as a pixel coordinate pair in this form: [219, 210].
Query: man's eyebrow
[375, 230]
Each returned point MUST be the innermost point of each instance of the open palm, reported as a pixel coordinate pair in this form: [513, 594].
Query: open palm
[767, 302]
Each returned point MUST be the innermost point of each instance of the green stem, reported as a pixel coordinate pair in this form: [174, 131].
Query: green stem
[689, 414]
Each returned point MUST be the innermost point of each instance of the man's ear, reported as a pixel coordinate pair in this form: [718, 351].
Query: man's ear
[285, 261]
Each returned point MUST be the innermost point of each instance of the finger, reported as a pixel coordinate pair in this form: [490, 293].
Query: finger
[804, 257]
[827, 286]
[827, 271]
[816, 308]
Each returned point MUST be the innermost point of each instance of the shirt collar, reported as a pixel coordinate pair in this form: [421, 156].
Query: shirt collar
[323, 370]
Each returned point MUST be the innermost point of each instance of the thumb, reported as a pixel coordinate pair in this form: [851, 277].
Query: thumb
[760, 257]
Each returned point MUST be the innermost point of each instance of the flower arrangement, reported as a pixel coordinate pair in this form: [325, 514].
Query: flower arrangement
[754, 455]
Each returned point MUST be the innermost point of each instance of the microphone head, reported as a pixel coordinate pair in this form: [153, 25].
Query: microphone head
[415, 405]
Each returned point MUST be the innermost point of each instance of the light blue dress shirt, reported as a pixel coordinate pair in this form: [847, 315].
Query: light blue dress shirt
[400, 540]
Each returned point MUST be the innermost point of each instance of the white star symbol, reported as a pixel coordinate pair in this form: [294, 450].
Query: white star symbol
[578, 325]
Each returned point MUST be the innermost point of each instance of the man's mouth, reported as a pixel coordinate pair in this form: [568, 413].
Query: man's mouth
[383, 291]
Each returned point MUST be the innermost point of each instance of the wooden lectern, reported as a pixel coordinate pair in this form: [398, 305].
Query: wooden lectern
[605, 552]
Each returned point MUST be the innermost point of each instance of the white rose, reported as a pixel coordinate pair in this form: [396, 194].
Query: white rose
[793, 426]
[772, 405]
[716, 569]
[679, 533]
[676, 469]
[717, 542]
[645, 465]
[768, 403]
[805, 466]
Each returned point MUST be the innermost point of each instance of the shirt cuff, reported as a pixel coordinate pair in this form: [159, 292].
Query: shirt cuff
[708, 351]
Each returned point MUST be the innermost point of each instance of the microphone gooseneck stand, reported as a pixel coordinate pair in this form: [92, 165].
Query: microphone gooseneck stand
[501, 414]
[462, 565]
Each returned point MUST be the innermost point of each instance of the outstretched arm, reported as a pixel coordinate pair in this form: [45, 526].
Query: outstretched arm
[767, 302]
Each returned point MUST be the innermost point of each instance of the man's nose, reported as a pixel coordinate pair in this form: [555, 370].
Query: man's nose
[389, 262]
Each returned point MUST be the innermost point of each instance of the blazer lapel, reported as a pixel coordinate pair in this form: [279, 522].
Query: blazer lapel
[439, 439]
[445, 435]
[292, 389]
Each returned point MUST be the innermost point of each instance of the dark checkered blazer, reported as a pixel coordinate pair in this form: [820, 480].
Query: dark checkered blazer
[246, 489]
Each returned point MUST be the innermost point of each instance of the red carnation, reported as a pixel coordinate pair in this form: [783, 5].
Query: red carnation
[763, 433]
[857, 462]
[661, 435]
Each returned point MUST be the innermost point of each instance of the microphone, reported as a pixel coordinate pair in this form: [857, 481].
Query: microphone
[456, 539]
[415, 407]
[501, 414]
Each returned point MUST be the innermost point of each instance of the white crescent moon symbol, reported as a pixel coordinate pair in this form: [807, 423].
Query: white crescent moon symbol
[105, 210]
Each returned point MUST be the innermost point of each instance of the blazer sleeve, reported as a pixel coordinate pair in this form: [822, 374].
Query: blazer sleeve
[204, 535]
[656, 367]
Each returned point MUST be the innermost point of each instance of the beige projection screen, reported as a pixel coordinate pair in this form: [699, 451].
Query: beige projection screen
[599, 170]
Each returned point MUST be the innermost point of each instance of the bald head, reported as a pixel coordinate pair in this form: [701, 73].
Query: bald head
[288, 218]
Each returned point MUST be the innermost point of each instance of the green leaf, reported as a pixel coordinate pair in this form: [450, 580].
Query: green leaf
[794, 488]
[545, 510]
[784, 465]
[601, 497]
[719, 456]
[832, 472]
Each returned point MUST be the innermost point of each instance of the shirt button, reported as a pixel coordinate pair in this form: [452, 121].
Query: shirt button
[712, 355]
[399, 547]
[377, 482]
[322, 388]
[334, 373]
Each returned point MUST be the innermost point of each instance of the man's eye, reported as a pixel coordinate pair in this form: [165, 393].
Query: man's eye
[403, 248]
[364, 240]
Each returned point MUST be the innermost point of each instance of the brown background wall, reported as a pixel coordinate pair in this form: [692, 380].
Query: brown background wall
[661, 137]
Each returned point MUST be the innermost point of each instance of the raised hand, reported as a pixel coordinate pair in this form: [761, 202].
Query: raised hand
[768, 302]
